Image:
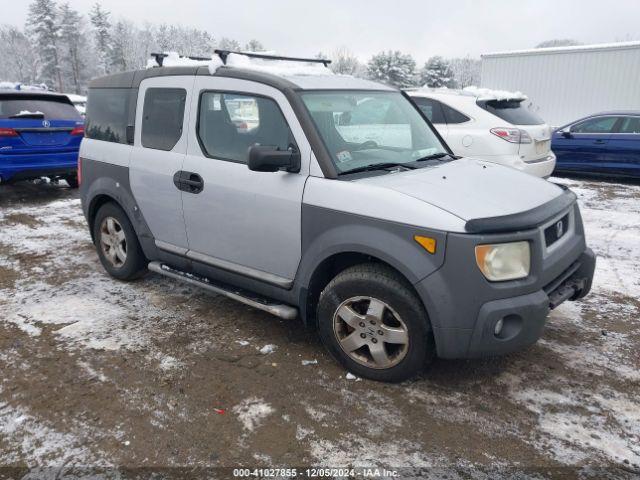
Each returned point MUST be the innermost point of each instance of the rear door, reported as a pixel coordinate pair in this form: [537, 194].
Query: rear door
[623, 152]
[584, 146]
[160, 146]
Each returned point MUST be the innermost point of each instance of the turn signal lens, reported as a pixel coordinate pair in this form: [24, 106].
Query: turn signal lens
[78, 131]
[428, 243]
[8, 132]
[504, 261]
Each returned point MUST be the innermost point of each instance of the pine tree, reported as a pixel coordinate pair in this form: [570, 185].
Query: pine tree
[44, 32]
[72, 42]
[437, 73]
[122, 47]
[102, 31]
[392, 68]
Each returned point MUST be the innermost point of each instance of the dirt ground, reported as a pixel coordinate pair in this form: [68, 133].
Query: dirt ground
[99, 376]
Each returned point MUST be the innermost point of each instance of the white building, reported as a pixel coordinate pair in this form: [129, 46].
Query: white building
[566, 83]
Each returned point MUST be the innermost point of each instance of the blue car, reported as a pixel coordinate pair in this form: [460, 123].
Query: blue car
[606, 143]
[40, 135]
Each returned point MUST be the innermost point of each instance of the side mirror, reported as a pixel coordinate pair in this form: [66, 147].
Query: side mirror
[565, 133]
[268, 158]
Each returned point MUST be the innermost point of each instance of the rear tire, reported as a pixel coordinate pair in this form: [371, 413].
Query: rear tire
[371, 320]
[117, 244]
[72, 180]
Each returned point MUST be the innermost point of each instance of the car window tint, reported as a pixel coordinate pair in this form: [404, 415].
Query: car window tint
[630, 125]
[162, 117]
[16, 106]
[230, 123]
[595, 125]
[431, 108]
[453, 116]
[511, 111]
[107, 114]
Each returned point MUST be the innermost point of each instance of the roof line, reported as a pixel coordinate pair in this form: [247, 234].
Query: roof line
[569, 49]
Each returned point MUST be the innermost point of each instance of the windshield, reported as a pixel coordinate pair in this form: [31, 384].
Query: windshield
[511, 111]
[362, 128]
[30, 106]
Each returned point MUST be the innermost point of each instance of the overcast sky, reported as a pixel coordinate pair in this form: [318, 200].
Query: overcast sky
[420, 27]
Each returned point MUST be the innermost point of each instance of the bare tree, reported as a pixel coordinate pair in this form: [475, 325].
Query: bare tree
[558, 42]
[17, 58]
[343, 61]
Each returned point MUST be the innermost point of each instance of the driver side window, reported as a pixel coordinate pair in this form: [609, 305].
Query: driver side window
[595, 125]
[230, 123]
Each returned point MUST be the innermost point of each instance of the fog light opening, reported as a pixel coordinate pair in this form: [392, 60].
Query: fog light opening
[498, 328]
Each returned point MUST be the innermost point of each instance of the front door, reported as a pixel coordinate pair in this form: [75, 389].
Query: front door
[583, 147]
[623, 156]
[239, 220]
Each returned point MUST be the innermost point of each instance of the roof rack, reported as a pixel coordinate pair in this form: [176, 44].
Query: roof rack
[223, 54]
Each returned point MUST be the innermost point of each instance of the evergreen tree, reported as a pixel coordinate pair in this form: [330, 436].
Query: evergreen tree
[72, 46]
[437, 73]
[102, 31]
[44, 32]
[392, 68]
[122, 47]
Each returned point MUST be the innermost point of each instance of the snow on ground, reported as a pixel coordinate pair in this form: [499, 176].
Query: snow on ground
[570, 399]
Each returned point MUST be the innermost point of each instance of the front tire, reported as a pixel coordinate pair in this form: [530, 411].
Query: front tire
[371, 320]
[117, 244]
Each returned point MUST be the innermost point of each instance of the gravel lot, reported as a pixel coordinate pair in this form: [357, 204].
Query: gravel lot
[102, 374]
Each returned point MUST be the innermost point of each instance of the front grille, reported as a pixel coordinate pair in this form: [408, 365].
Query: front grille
[556, 231]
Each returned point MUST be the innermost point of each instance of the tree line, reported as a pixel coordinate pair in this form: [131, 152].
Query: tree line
[63, 49]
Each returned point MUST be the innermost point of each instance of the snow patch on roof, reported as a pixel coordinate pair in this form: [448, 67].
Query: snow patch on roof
[283, 68]
[489, 94]
[173, 59]
[20, 86]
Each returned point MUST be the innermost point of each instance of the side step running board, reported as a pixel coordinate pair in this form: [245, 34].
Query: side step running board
[280, 310]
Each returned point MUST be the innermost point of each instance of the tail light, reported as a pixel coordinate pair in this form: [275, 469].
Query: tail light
[78, 131]
[8, 132]
[79, 170]
[512, 135]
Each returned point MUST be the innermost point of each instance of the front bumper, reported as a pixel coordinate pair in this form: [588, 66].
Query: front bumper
[464, 307]
[26, 166]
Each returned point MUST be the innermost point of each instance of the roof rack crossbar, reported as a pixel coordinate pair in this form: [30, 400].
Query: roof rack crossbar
[223, 54]
[161, 56]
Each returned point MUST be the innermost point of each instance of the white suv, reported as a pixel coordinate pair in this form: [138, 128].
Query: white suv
[490, 125]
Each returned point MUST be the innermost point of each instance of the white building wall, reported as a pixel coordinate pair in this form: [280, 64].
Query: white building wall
[564, 84]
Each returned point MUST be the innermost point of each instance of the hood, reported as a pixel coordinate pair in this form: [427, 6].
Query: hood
[471, 189]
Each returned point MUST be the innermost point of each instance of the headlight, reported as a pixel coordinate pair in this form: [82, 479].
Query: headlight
[504, 261]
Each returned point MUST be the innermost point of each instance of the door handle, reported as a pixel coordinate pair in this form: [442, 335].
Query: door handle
[189, 182]
[599, 142]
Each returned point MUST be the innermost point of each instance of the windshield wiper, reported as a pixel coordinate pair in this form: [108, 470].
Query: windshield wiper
[377, 166]
[435, 156]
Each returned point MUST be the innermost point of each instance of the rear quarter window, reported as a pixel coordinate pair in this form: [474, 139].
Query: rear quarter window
[511, 111]
[37, 106]
[108, 114]
[162, 117]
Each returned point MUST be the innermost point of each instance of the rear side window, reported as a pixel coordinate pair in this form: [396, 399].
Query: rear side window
[230, 123]
[630, 125]
[511, 111]
[107, 114]
[162, 117]
[595, 125]
[453, 116]
[431, 108]
[37, 106]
